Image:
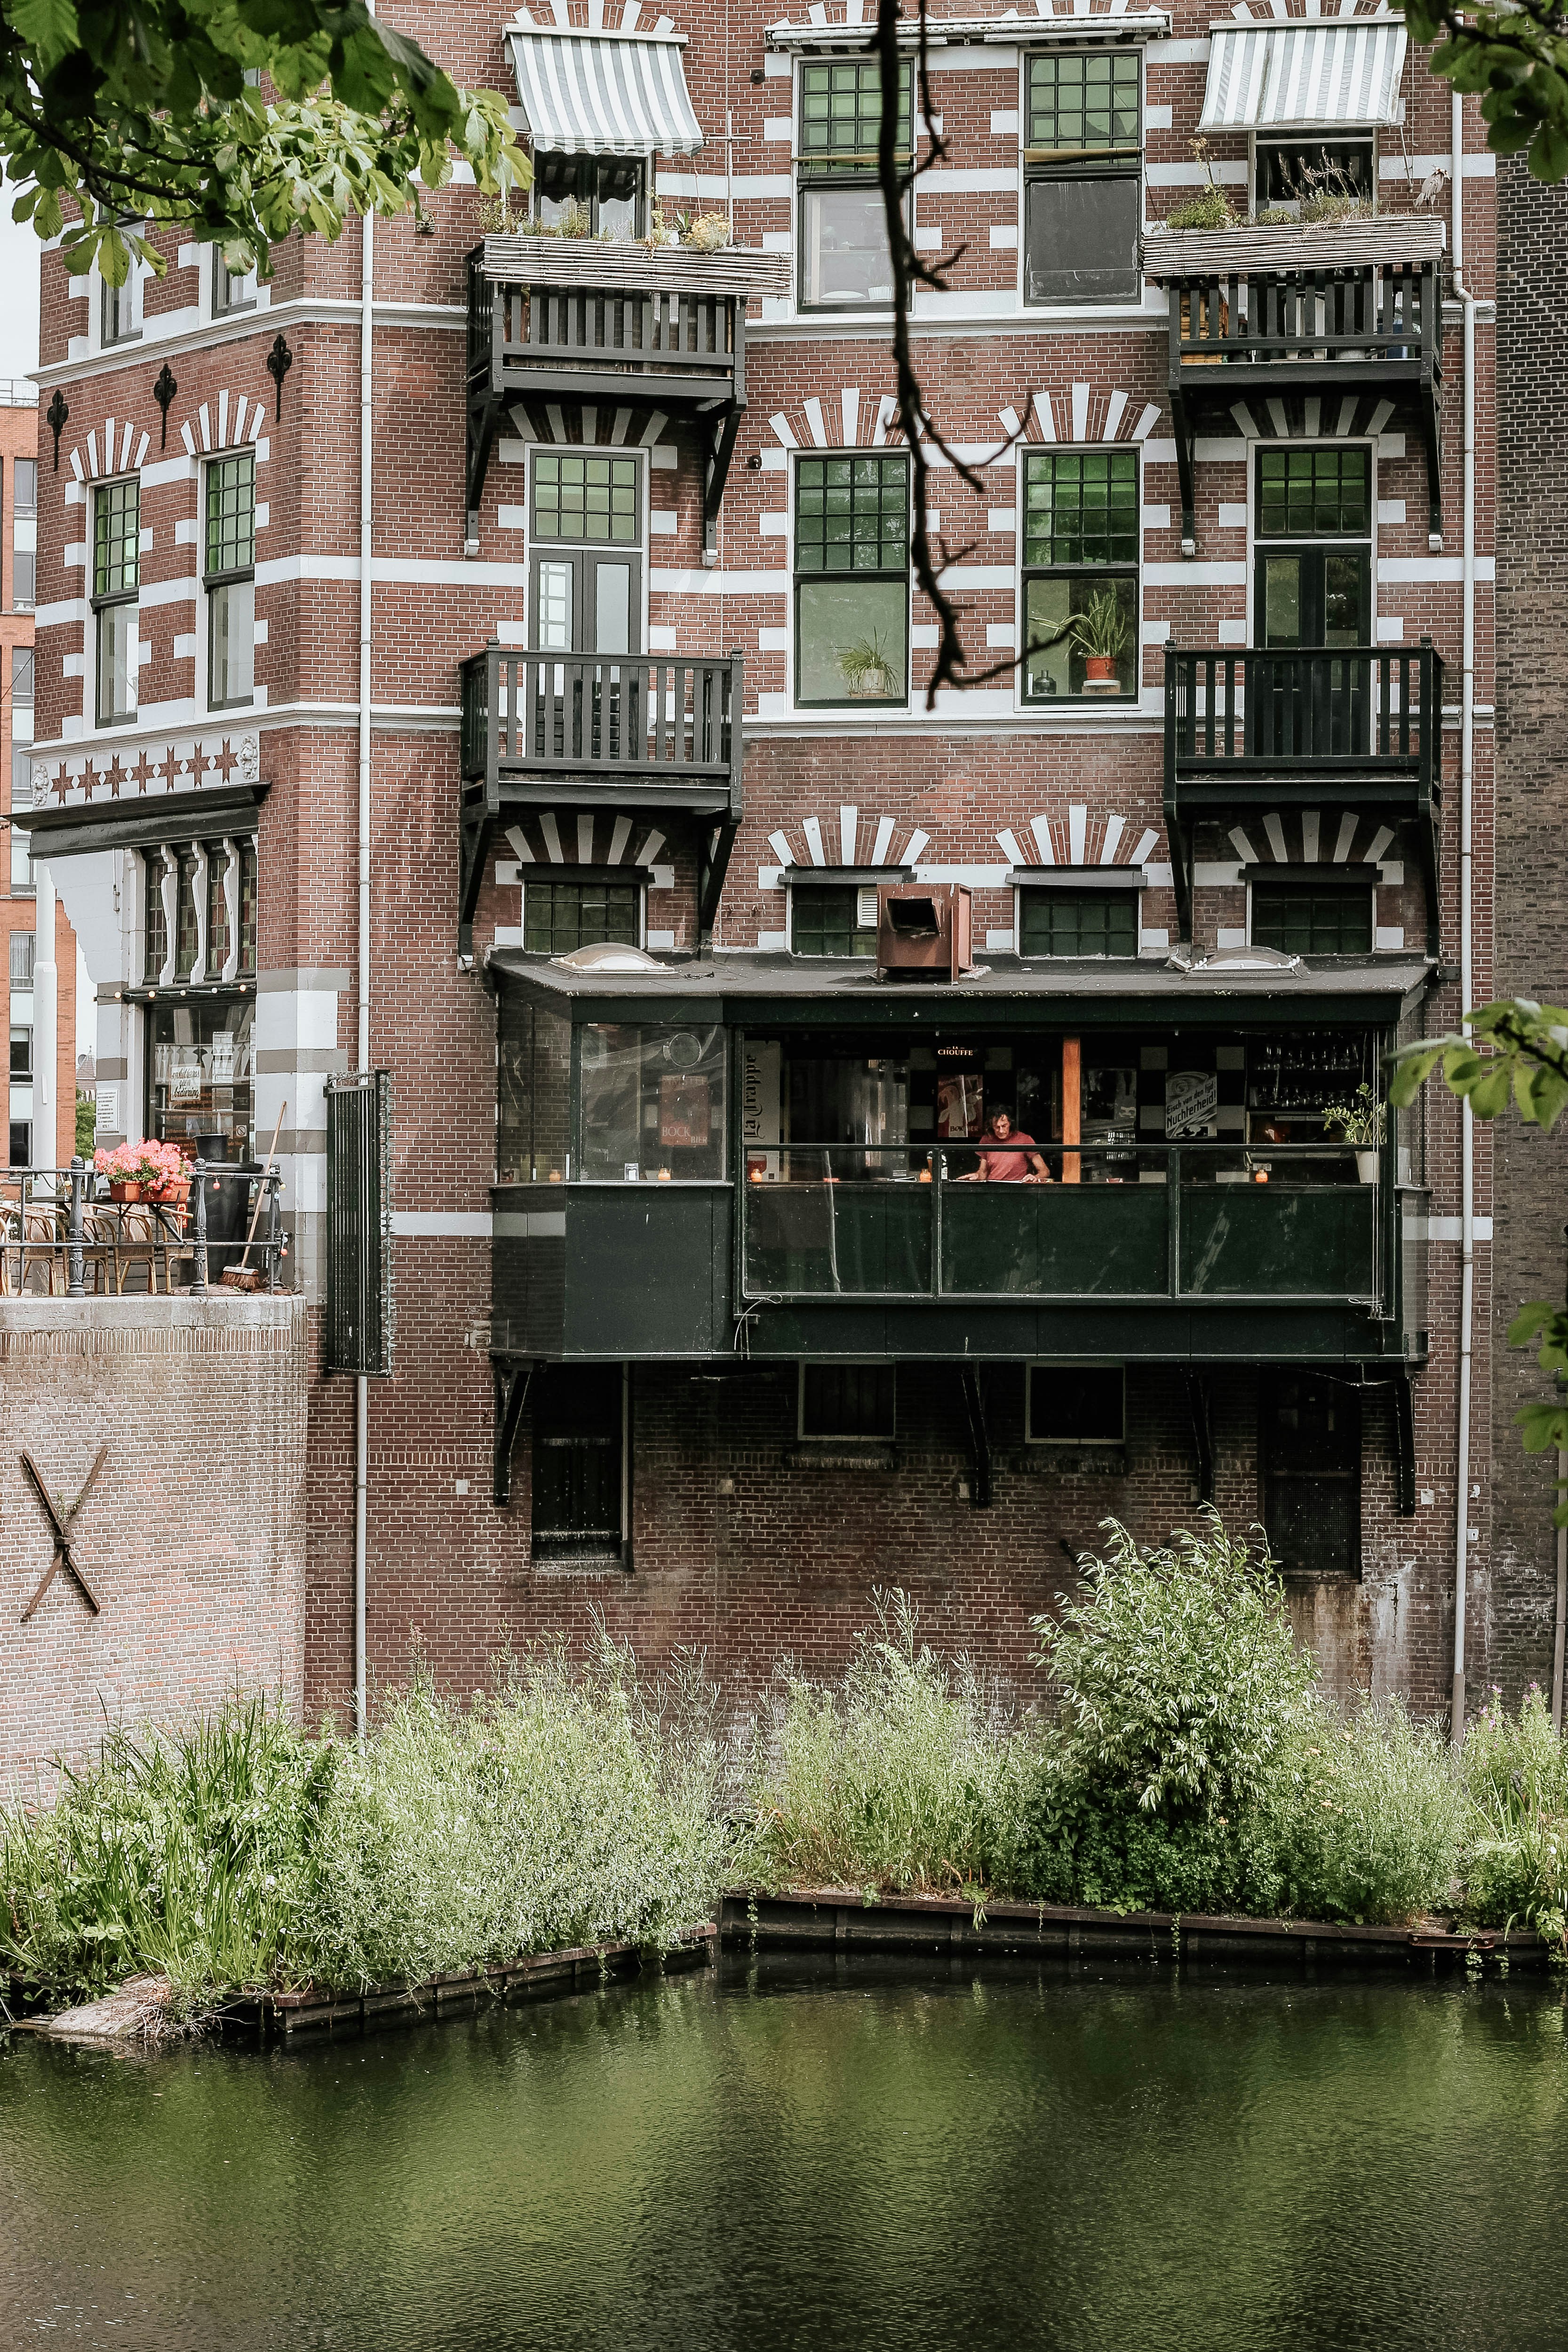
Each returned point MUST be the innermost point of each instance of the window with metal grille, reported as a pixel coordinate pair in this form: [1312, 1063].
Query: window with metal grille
[843, 1400]
[1082, 182]
[844, 258]
[589, 499]
[1310, 919]
[360, 1307]
[1081, 543]
[1078, 923]
[579, 1414]
[1311, 1474]
[560, 916]
[1076, 1404]
[852, 580]
[837, 918]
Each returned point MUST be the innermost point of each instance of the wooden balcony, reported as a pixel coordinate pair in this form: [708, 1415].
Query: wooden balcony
[585, 731]
[1247, 732]
[577, 319]
[1349, 311]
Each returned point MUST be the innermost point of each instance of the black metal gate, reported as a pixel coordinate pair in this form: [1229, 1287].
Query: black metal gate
[360, 1318]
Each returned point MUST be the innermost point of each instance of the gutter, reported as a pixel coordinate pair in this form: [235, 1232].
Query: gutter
[1467, 971]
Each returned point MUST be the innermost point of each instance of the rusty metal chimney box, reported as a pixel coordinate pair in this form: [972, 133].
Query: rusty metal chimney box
[923, 928]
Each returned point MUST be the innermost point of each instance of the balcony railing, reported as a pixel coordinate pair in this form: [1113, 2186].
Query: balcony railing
[605, 718]
[1370, 710]
[66, 1231]
[1385, 310]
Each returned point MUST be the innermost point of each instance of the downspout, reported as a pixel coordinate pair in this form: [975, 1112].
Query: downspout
[361, 1383]
[1560, 1622]
[1467, 975]
[46, 1026]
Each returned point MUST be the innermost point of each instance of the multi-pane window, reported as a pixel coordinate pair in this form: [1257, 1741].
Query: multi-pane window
[1076, 1404]
[844, 258]
[835, 918]
[1081, 523]
[230, 581]
[233, 289]
[21, 797]
[560, 916]
[590, 195]
[24, 533]
[848, 1399]
[1318, 591]
[591, 498]
[1304, 917]
[852, 580]
[1082, 184]
[156, 924]
[116, 579]
[1078, 923]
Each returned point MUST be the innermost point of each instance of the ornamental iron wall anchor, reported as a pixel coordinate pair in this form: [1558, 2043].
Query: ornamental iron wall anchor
[279, 360]
[163, 393]
[62, 1524]
[55, 416]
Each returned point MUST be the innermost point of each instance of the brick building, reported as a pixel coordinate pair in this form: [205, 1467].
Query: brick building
[607, 815]
[30, 1101]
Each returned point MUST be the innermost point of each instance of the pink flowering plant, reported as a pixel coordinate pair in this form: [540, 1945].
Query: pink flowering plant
[146, 1162]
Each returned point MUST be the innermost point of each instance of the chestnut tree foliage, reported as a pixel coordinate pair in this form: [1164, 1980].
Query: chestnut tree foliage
[243, 120]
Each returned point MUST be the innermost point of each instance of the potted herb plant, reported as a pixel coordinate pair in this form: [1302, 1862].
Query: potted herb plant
[1101, 632]
[1361, 1123]
[866, 670]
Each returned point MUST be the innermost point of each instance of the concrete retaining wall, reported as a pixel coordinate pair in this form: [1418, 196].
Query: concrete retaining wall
[193, 1537]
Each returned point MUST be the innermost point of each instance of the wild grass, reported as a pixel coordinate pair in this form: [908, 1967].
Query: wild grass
[1515, 1773]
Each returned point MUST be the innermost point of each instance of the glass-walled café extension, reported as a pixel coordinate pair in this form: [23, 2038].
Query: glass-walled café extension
[740, 1156]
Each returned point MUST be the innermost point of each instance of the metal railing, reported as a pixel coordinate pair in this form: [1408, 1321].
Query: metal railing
[1362, 706]
[62, 1231]
[625, 714]
[1377, 311]
[646, 330]
[1256, 1224]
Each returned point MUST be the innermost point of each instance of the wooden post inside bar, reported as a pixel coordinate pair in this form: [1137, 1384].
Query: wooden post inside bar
[1071, 1092]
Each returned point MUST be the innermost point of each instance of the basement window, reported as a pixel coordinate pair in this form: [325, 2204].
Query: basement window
[836, 918]
[1076, 1404]
[848, 1401]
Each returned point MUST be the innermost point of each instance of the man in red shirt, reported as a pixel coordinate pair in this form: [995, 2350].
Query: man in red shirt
[1007, 1156]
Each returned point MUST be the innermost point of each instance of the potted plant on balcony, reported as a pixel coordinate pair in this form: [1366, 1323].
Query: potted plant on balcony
[121, 1168]
[1361, 1123]
[867, 672]
[1101, 632]
[165, 1174]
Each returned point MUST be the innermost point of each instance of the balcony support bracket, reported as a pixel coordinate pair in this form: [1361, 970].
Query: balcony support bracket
[1196, 1382]
[1426, 850]
[1186, 431]
[979, 1440]
[475, 830]
[486, 409]
[1432, 444]
[712, 865]
[723, 432]
[511, 1379]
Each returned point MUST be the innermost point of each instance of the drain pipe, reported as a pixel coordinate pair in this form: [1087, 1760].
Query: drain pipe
[1560, 1623]
[361, 1384]
[1467, 975]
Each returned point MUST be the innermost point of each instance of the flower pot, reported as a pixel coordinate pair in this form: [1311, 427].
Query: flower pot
[1098, 667]
[179, 1190]
[1366, 1166]
[873, 685]
[124, 1192]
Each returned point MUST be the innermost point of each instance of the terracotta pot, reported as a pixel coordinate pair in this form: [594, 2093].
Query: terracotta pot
[1098, 668]
[124, 1192]
[179, 1190]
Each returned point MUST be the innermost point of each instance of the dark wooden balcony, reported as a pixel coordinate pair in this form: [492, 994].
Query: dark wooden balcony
[1350, 310]
[655, 732]
[576, 318]
[1246, 732]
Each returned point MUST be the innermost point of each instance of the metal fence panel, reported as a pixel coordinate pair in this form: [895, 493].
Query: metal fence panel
[359, 1307]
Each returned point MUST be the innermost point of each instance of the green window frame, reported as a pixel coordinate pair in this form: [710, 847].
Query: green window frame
[840, 114]
[824, 920]
[592, 501]
[229, 578]
[117, 580]
[1084, 103]
[1078, 923]
[1081, 534]
[1308, 917]
[851, 581]
[230, 515]
[560, 916]
[1314, 493]
[1082, 176]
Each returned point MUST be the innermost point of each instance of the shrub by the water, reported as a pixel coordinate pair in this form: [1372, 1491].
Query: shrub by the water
[1365, 1815]
[1516, 1780]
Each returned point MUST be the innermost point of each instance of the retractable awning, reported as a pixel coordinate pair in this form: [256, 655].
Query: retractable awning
[588, 93]
[1312, 74]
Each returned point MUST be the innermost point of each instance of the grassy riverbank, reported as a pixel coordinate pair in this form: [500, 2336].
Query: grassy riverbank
[1188, 1762]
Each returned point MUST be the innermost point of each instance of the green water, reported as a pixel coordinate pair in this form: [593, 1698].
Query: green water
[782, 2156]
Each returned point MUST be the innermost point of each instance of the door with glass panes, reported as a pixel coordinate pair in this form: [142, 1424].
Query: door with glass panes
[1312, 595]
[585, 597]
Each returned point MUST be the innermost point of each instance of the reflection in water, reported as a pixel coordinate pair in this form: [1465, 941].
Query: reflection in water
[774, 2158]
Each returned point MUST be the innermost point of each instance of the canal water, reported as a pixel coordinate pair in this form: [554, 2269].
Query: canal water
[781, 2155]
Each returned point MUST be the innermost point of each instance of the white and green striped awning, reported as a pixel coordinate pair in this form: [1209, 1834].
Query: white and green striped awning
[1310, 73]
[593, 93]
